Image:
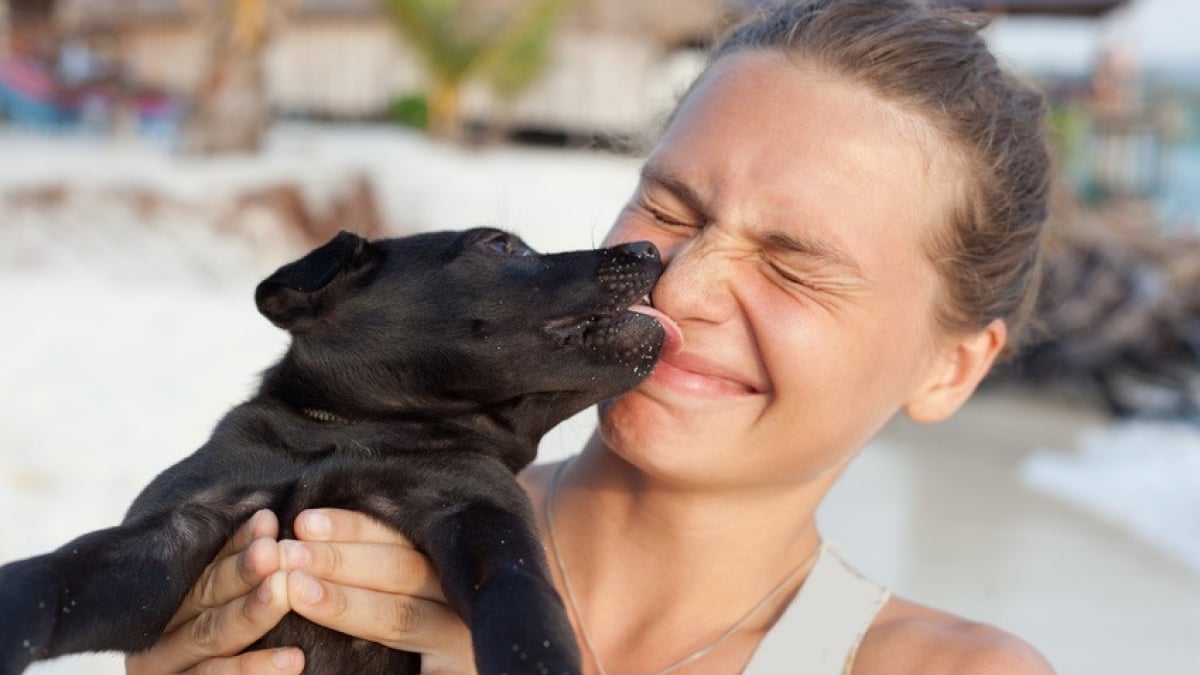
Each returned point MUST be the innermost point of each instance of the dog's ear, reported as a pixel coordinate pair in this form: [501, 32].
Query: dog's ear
[295, 291]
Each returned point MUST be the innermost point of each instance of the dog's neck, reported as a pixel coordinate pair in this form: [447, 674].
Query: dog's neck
[326, 417]
[511, 429]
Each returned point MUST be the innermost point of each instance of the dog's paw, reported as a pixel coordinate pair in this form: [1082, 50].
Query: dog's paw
[521, 628]
[28, 605]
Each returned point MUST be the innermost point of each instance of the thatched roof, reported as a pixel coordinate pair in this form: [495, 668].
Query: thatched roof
[101, 11]
[1085, 8]
[690, 14]
[667, 21]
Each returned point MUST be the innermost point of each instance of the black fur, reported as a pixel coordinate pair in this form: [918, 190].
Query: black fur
[442, 358]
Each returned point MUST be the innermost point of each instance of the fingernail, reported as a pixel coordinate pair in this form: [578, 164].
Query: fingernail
[317, 524]
[256, 521]
[275, 585]
[311, 590]
[295, 555]
[283, 659]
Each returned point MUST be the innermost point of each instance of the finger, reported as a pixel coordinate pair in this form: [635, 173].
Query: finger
[404, 570]
[209, 591]
[229, 578]
[262, 525]
[397, 621]
[337, 525]
[222, 631]
[285, 661]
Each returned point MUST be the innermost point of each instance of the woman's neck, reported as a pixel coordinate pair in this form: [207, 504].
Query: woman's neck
[682, 520]
[636, 549]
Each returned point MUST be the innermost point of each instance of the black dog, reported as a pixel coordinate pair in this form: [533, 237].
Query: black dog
[421, 374]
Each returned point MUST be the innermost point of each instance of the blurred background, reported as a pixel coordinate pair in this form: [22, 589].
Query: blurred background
[159, 157]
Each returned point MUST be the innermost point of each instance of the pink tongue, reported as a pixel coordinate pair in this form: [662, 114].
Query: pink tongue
[674, 341]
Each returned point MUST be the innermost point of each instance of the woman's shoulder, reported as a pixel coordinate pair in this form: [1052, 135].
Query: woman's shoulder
[907, 637]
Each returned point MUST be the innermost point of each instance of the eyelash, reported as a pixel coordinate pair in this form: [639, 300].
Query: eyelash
[791, 278]
[664, 218]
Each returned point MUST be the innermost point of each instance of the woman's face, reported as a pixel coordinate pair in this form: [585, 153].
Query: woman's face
[790, 208]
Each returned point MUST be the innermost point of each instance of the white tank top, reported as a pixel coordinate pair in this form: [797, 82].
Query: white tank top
[820, 631]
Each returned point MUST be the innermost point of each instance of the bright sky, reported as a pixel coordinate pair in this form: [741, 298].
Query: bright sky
[1162, 32]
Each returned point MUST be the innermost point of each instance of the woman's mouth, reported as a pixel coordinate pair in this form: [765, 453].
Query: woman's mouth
[697, 376]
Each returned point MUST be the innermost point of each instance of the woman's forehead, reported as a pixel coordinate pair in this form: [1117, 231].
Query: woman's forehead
[764, 133]
[778, 114]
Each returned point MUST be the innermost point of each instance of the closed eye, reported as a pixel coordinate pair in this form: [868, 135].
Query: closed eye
[789, 277]
[665, 219]
[817, 280]
[804, 278]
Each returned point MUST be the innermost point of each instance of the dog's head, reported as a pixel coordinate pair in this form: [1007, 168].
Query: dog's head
[460, 322]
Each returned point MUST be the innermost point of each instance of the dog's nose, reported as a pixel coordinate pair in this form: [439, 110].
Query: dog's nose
[639, 249]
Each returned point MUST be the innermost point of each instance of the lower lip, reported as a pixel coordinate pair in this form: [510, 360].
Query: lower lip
[695, 384]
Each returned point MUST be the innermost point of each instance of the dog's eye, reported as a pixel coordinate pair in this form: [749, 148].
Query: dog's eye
[501, 245]
[507, 245]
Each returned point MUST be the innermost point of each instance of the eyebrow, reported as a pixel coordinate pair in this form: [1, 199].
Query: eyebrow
[678, 187]
[785, 241]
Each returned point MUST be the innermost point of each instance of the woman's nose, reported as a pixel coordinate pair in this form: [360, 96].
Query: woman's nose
[695, 283]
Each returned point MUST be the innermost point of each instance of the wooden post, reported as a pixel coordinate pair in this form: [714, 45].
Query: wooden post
[5, 47]
[30, 26]
[230, 110]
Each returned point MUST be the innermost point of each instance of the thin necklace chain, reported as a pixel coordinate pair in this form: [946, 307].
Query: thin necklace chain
[548, 509]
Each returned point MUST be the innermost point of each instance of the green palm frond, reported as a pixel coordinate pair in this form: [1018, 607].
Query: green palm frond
[506, 44]
[520, 52]
[428, 26]
[458, 39]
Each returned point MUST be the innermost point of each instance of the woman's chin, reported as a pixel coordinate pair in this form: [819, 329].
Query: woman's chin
[646, 434]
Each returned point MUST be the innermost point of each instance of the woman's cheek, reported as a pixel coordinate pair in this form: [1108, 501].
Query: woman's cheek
[623, 231]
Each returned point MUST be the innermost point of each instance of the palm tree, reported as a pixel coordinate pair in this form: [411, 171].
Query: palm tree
[462, 40]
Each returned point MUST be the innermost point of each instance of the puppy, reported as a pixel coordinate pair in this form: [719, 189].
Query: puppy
[421, 374]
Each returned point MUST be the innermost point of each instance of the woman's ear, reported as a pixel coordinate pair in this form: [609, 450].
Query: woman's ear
[956, 372]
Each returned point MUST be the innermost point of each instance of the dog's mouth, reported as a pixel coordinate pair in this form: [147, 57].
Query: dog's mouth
[673, 335]
[614, 327]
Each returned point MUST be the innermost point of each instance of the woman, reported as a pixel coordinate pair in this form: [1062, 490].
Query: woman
[849, 201]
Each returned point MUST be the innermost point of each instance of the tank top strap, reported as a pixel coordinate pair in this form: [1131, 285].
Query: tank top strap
[819, 633]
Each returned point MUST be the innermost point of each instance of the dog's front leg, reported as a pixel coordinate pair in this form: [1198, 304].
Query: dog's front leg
[113, 589]
[493, 571]
[479, 531]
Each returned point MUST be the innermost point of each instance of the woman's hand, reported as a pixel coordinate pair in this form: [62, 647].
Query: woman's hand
[240, 596]
[347, 572]
[350, 573]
